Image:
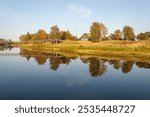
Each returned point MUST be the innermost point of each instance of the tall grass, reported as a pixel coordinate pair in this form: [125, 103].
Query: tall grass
[87, 46]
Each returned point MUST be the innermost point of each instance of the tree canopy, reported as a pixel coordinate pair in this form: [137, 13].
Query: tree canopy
[98, 31]
[55, 33]
[42, 35]
[143, 36]
[128, 33]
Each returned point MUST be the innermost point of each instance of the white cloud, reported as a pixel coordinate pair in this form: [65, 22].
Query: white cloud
[78, 11]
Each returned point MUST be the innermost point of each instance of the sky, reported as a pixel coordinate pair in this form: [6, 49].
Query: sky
[21, 16]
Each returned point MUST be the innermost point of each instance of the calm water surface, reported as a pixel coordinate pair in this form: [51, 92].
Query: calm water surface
[25, 76]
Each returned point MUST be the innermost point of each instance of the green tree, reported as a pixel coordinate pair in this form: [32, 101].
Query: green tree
[142, 36]
[42, 35]
[98, 31]
[55, 33]
[33, 37]
[148, 34]
[128, 33]
[66, 35]
[63, 35]
[22, 38]
[111, 37]
[26, 37]
[117, 35]
[103, 31]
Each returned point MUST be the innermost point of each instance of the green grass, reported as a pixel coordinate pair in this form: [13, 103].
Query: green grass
[86, 47]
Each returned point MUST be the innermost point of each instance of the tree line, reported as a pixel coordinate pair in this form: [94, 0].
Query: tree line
[98, 32]
[55, 33]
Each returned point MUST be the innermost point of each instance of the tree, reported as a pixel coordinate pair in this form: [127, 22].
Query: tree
[66, 35]
[33, 37]
[63, 35]
[117, 35]
[42, 35]
[26, 37]
[128, 33]
[98, 31]
[103, 31]
[111, 37]
[55, 33]
[95, 33]
[22, 37]
[148, 34]
[143, 36]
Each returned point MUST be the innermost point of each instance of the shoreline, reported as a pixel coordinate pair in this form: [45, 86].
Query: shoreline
[135, 53]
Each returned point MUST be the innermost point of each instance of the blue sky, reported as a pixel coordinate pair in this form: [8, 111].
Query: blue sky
[20, 16]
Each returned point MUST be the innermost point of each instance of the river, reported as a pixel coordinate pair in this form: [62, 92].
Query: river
[26, 76]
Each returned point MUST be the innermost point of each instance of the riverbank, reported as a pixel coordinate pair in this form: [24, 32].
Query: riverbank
[92, 48]
[129, 50]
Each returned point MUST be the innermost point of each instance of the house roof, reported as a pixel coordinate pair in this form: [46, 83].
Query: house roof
[86, 34]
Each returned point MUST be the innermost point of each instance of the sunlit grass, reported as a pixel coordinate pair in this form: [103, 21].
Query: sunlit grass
[87, 46]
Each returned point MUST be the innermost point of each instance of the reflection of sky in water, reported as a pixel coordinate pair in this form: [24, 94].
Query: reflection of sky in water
[12, 50]
[22, 79]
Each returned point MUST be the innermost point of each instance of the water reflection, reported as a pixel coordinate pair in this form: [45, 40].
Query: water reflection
[97, 66]
[4, 48]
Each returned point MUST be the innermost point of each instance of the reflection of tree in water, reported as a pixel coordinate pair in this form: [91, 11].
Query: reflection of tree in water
[84, 60]
[41, 60]
[116, 64]
[97, 67]
[28, 58]
[25, 53]
[56, 61]
[143, 65]
[127, 66]
[2, 48]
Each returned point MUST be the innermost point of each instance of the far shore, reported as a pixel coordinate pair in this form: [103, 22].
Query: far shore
[128, 50]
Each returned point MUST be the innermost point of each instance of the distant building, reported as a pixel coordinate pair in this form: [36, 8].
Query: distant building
[85, 37]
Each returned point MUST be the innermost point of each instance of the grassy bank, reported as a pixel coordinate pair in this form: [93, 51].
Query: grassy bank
[108, 49]
[93, 48]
